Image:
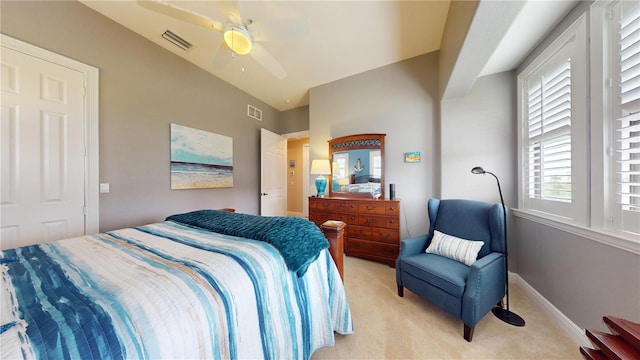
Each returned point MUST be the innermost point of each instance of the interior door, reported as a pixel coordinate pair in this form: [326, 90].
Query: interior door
[273, 180]
[42, 151]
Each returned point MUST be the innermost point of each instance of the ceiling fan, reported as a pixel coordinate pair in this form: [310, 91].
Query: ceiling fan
[239, 37]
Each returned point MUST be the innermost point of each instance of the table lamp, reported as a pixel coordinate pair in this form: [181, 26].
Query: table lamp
[321, 168]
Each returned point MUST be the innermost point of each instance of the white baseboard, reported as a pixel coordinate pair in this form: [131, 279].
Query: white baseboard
[569, 327]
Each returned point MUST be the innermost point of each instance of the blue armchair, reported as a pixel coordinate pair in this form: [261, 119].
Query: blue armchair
[466, 292]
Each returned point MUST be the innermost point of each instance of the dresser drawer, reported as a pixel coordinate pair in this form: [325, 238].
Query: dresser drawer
[317, 217]
[360, 232]
[392, 208]
[371, 207]
[339, 216]
[330, 205]
[385, 235]
[392, 222]
[370, 220]
[352, 206]
[320, 217]
[377, 249]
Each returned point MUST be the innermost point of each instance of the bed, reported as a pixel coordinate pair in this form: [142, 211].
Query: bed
[205, 284]
[362, 184]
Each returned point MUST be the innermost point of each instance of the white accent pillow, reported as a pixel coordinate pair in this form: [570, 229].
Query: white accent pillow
[462, 250]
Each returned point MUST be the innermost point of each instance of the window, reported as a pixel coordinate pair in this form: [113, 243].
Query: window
[553, 118]
[624, 81]
[549, 124]
[579, 137]
[375, 159]
[340, 162]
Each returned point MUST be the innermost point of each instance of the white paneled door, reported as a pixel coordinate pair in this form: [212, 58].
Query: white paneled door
[273, 181]
[42, 154]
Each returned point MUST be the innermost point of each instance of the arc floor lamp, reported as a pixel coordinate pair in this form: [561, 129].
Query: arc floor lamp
[503, 314]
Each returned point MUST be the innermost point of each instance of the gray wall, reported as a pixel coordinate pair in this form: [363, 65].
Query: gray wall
[400, 100]
[144, 88]
[294, 120]
[584, 279]
[480, 130]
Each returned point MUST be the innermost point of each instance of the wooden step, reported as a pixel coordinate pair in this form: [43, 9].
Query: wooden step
[591, 354]
[628, 330]
[612, 346]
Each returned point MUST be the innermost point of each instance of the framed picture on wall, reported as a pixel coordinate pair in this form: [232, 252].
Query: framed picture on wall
[200, 159]
[412, 157]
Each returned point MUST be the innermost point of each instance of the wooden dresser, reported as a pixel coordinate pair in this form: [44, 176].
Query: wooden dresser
[373, 226]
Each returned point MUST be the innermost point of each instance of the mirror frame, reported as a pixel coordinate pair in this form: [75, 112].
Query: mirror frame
[357, 142]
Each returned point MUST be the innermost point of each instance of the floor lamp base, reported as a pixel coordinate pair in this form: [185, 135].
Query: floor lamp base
[508, 316]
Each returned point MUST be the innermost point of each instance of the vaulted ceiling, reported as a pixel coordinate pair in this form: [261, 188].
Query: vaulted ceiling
[317, 42]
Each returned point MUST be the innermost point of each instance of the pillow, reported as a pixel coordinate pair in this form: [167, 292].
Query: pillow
[464, 251]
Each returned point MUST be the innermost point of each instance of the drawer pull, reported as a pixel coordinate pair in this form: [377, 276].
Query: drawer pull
[371, 221]
[359, 232]
[392, 221]
[371, 207]
[326, 204]
[392, 208]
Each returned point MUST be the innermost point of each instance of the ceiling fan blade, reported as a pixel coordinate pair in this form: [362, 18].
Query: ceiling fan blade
[230, 9]
[262, 56]
[280, 30]
[179, 13]
[221, 57]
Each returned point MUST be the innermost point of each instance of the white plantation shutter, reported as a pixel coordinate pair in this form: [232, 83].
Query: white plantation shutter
[627, 113]
[553, 118]
[549, 134]
[629, 162]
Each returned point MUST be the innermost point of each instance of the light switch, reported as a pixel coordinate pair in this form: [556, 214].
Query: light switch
[104, 188]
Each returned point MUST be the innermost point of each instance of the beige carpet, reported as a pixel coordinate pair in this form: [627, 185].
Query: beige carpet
[390, 327]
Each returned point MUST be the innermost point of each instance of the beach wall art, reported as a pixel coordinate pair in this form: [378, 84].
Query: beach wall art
[200, 159]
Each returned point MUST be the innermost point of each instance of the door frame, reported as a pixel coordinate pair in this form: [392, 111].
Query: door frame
[268, 169]
[305, 170]
[91, 116]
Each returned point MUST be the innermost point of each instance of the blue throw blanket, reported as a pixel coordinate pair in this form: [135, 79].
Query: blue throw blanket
[298, 240]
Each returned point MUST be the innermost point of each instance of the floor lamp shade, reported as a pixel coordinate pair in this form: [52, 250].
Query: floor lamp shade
[321, 168]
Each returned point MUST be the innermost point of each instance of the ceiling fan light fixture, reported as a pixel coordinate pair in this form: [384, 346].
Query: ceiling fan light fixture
[237, 39]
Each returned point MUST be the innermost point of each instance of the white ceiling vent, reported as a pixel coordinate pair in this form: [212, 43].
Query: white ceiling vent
[176, 40]
[254, 112]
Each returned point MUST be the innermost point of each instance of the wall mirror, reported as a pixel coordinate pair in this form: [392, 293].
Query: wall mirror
[357, 166]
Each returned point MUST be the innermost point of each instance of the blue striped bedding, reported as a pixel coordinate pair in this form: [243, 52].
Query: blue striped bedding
[166, 290]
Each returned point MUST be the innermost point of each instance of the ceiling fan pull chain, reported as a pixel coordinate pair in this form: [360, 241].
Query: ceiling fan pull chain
[233, 53]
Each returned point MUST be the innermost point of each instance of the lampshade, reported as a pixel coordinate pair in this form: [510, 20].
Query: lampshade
[321, 167]
[238, 39]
